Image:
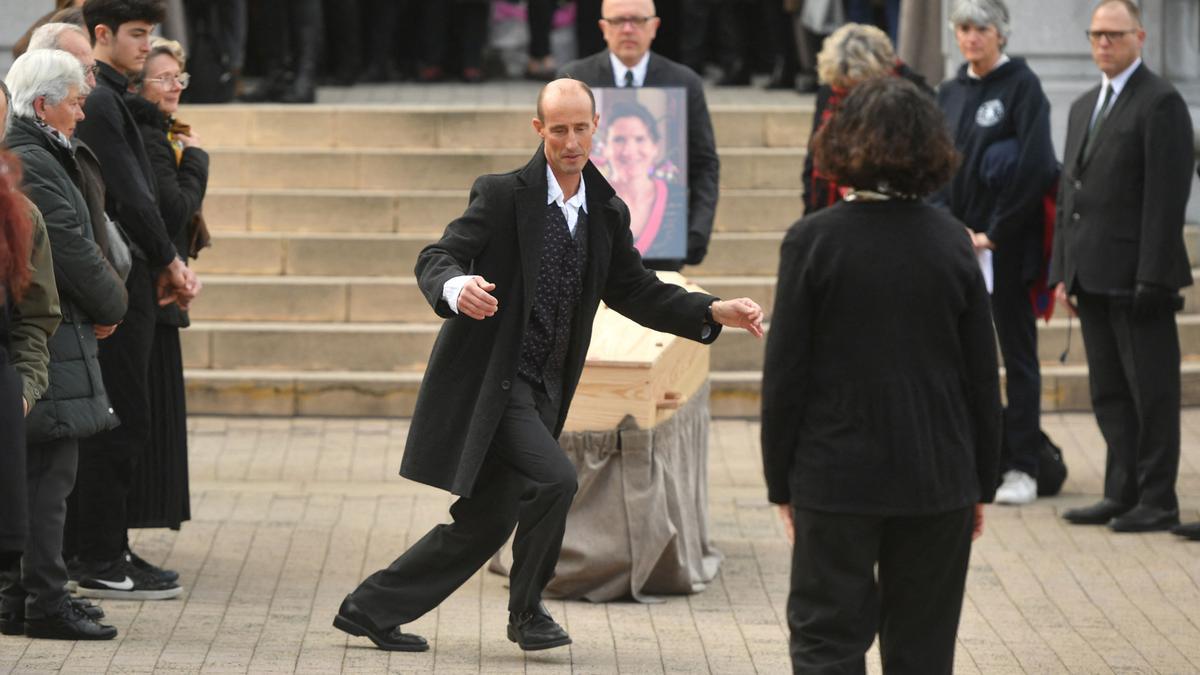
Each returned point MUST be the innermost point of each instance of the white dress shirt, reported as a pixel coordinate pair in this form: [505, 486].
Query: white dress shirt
[554, 195]
[638, 69]
[1118, 83]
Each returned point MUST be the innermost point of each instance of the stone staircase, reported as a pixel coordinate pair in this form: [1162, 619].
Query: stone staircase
[318, 212]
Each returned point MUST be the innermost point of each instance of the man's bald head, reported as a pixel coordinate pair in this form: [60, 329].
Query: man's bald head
[555, 90]
[647, 6]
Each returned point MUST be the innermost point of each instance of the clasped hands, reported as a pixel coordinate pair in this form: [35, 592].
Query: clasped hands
[476, 301]
[179, 284]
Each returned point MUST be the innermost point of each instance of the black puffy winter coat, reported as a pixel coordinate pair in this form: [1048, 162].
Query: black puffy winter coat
[76, 404]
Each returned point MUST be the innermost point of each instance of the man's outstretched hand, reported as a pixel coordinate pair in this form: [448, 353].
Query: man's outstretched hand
[739, 313]
[476, 300]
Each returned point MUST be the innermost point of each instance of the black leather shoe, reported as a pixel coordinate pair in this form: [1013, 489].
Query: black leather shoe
[1145, 519]
[94, 612]
[70, 623]
[12, 618]
[1188, 531]
[1097, 514]
[535, 630]
[351, 620]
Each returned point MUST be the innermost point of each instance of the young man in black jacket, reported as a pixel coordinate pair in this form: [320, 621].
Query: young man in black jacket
[120, 32]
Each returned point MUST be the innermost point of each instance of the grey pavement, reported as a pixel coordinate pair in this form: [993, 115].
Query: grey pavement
[289, 514]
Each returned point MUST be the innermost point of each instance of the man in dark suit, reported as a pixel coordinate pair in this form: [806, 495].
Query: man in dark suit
[629, 26]
[519, 276]
[1118, 248]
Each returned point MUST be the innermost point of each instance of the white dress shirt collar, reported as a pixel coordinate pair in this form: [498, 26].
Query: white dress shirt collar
[1118, 83]
[570, 207]
[639, 70]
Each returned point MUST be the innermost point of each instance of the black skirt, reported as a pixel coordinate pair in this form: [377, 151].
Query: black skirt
[159, 495]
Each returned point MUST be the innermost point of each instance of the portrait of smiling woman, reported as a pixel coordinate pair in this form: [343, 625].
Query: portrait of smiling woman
[633, 151]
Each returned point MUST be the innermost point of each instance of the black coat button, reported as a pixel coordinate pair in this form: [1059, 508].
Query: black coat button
[505, 385]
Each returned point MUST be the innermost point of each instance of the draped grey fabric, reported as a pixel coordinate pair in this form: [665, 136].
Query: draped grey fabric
[639, 523]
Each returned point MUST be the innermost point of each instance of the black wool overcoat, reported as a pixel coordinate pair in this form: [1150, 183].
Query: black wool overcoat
[474, 363]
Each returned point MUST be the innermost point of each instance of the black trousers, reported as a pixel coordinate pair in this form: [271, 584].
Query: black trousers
[1133, 373]
[41, 582]
[462, 23]
[527, 482]
[1016, 329]
[837, 602]
[97, 518]
[14, 515]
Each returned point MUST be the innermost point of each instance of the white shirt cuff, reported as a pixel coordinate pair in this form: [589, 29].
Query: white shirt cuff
[452, 288]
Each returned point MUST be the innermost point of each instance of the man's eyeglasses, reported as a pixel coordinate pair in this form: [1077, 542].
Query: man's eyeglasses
[92, 70]
[164, 82]
[622, 21]
[1110, 35]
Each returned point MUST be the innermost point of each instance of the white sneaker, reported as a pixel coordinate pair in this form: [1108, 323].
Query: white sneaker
[1018, 488]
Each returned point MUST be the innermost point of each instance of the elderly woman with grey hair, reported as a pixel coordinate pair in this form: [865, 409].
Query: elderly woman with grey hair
[853, 54]
[999, 119]
[48, 87]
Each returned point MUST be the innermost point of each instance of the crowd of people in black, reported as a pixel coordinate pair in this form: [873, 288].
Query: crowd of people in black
[101, 194]
[288, 47]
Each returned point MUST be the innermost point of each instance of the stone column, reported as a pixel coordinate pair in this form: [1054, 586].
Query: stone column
[18, 16]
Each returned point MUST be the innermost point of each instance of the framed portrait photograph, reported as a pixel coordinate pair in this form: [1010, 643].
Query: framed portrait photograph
[641, 148]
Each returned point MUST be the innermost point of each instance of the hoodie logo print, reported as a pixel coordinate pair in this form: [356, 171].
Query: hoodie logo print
[989, 113]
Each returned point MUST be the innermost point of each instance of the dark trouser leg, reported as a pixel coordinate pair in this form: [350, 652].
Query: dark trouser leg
[1133, 371]
[435, 17]
[471, 25]
[588, 38]
[922, 577]
[540, 14]
[51, 475]
[106, 460]
[693, 43]
[14, 521]
[526, 476]
[1016, 329]
[523, 441]
[833, 605]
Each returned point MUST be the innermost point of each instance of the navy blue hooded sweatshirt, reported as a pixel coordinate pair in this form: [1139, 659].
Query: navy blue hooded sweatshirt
[1000, 124]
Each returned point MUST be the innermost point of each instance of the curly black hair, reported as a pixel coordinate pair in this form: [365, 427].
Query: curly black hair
[887, 135]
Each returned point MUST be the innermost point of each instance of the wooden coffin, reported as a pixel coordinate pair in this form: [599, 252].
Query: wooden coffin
[632, 370]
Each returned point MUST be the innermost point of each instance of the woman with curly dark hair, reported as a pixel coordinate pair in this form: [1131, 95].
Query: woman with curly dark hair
[881, 403]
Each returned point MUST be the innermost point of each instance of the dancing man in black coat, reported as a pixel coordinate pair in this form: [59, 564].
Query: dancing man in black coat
[519, 277]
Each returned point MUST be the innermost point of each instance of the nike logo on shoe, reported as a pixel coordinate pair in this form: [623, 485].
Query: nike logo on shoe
[126, 585]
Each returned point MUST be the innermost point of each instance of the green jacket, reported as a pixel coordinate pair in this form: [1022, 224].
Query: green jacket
[36, 316]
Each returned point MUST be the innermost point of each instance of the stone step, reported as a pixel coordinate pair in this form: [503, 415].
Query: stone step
[428, 211]
[405, 347]
[396, 298]
[370, 299]
[388, 255]
[457, 127]
[356, 394]
[423, 169]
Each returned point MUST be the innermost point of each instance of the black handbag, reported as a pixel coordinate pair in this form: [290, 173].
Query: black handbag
[1052, 470]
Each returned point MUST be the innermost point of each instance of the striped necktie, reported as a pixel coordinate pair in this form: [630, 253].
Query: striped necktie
[629, 79]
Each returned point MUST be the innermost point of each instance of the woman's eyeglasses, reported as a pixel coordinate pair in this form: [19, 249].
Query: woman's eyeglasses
[166, 81]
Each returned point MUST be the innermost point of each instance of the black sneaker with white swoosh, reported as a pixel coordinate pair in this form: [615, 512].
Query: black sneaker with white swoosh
[120, 580]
